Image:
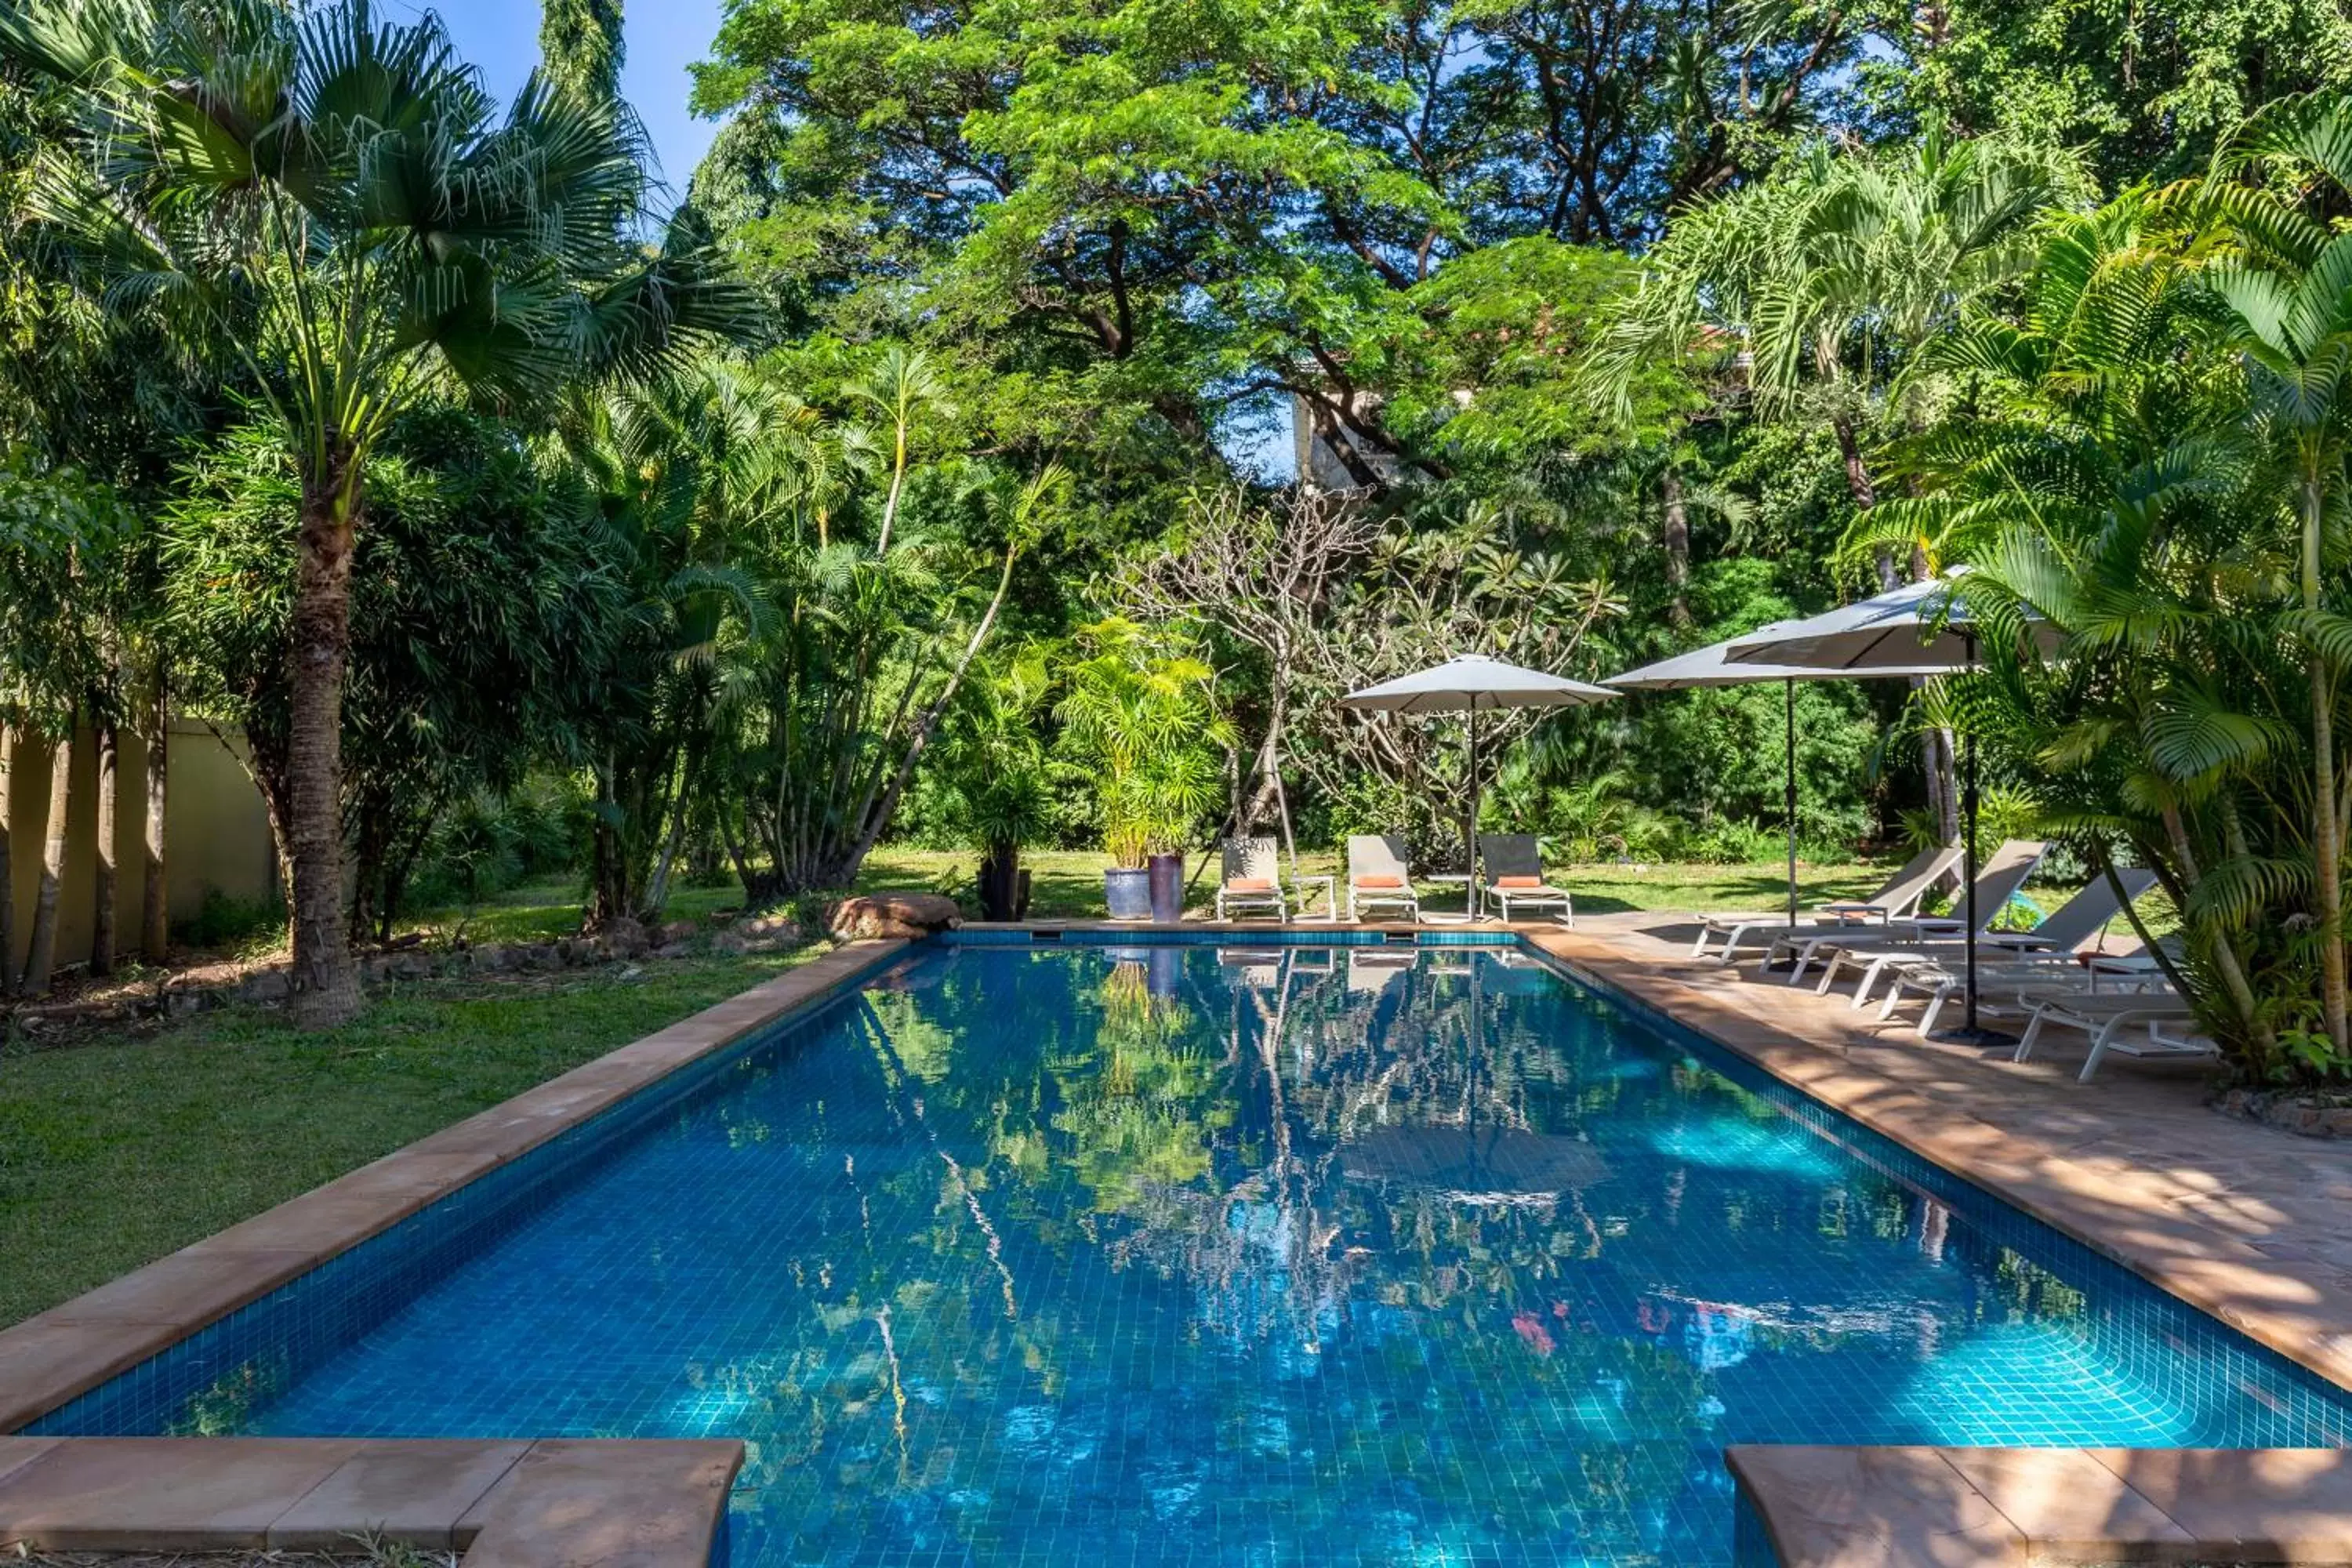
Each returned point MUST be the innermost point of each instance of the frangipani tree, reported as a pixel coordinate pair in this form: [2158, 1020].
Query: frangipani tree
[336, 204]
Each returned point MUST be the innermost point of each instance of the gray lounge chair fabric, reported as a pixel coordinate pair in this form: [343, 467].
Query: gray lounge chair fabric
[1251, 879]
[1898, 897]
[1381, 858]
[1516, 856]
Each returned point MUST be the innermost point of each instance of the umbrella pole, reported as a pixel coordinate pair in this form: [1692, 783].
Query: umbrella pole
[1788, 695]
[1968, 803]
[1470, 823]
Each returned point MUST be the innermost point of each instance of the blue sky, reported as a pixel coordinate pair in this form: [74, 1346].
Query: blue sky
[665, 37]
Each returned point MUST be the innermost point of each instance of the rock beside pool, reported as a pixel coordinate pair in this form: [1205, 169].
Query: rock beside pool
[894, 914]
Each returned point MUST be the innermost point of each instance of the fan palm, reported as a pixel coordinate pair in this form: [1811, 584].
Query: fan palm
[335, 203]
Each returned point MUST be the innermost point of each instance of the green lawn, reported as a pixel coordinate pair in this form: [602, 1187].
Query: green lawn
[1067, 884]
[117, 1151]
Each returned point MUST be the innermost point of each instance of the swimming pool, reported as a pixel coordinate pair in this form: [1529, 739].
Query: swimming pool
[1160, 1254]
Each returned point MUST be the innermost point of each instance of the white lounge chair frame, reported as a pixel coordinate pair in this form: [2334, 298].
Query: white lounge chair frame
[2003, 873]
[1900, 896]
[2051, 946]
[1252, 859]
[2104, 1016]
[1521, 854]
[1380, 855]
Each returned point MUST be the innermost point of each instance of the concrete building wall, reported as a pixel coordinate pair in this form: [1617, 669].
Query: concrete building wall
[216, 835]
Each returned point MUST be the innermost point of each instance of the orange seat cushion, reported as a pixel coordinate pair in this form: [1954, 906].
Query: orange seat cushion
[1249, 885]
[1519, 882]
[1380, 881]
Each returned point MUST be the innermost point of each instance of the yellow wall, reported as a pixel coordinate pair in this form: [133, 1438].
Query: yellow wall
[216, 835]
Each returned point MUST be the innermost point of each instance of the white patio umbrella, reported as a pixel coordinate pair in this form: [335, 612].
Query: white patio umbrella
[1919, 627]
[1712, 667]
[1471, 684]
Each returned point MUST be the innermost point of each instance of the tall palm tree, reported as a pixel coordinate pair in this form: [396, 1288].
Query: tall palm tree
[2286, 286]
[334, 205]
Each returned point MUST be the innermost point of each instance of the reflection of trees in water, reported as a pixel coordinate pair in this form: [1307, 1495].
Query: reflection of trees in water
[1392, 1182]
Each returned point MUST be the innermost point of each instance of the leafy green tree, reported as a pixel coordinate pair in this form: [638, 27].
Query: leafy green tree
[582, 47]
[62, 544]
[333, 203]
[2138, 474]
[1133, 223]
[487, 625]
[2148, 91]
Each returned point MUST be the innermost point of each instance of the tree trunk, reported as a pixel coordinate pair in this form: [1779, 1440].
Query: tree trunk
[2326, 844]
[41, 962]
[7, 870]
[155, 912]
[105, 911]
[1677, 542]
[326, 986]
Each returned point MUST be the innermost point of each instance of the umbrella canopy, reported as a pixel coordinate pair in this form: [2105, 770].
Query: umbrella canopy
[1472, 683]
[1919, 628]
[1474, 1163]
[1713, 665]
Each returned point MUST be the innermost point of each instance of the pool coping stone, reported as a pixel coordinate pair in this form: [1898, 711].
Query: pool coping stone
[554, 1503]
[1923, 1507]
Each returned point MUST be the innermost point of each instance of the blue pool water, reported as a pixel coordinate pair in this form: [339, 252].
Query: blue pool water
[1175, 1254]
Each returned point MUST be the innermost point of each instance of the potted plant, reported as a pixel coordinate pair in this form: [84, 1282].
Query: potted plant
[1142, 716]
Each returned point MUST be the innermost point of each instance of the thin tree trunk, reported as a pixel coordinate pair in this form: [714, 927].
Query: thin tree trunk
[155, 913]
[877, 814]
[8, 754]
[41, 962]
[105, 912]
[2326, 844]
[326, 986]
[1677, 543]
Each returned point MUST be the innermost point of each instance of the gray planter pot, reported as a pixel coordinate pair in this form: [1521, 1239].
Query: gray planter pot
[1127, 892]
[1167, 874]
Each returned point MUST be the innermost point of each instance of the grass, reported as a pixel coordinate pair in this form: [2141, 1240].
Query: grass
[1067, 884]
[117, 1151]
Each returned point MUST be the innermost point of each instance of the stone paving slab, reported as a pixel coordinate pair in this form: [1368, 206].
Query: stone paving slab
[2246, 1222]
[48, 1359]
[622, 1503]
[413, 1491]
[647, 1503]
[2015, 1508]
[162, 1494]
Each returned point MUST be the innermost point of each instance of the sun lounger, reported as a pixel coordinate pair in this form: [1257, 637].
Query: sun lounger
[1514, 863]
[2002, 874]
[2104, 1017]
[1372, 971]
[1900, 895]
[1252, 880]
[1942, 965]
[1377, 877]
